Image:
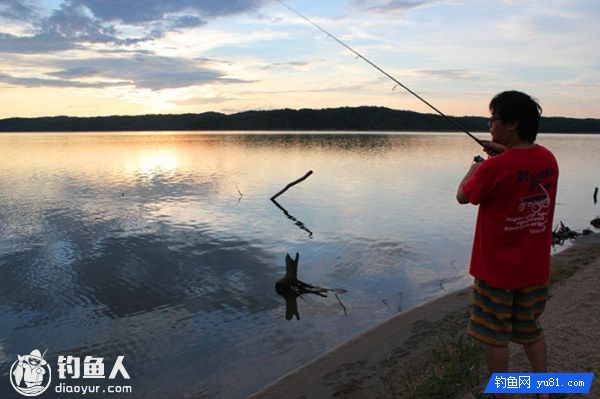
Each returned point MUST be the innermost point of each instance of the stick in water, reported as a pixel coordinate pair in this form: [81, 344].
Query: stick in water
[292, 184]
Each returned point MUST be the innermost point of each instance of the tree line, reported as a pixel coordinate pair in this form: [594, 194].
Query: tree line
[330, 119]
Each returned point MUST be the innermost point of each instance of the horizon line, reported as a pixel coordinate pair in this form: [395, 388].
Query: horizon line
[273, 109]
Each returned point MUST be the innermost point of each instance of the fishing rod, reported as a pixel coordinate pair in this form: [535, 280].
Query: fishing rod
[453, 123]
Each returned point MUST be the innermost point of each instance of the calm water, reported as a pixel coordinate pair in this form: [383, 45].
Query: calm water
[165, 247]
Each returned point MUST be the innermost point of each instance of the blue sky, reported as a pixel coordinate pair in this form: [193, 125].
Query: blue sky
[116, 57]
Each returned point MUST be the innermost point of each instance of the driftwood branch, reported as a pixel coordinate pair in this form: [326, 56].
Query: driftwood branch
[563, 233]
[240, 193]
[292, 184]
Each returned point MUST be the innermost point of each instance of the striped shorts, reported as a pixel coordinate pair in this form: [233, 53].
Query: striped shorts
[501, 315]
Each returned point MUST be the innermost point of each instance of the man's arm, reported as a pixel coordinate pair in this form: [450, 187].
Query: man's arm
[460, 195]
[492, 149]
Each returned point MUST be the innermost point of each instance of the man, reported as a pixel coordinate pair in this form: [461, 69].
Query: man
[515, 189]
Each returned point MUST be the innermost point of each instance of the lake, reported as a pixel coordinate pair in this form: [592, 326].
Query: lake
[163, 247]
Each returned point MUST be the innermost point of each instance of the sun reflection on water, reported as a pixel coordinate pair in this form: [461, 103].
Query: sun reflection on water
[152, 162]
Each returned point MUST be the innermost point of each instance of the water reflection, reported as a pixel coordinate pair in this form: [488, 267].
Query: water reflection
[94, 288]
[297, 222]
[140, 245]
[163, 160]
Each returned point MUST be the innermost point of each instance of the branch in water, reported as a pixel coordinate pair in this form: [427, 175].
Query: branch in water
[292, 184]
[239, 192]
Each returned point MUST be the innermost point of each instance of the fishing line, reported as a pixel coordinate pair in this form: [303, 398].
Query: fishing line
[453, 123]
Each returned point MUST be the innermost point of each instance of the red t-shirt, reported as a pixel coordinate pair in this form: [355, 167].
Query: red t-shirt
[516, 192]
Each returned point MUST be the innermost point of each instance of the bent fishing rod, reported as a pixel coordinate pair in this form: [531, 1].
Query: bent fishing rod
[446, 118]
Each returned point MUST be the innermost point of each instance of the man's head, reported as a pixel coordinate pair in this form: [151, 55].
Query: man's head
[516, 111]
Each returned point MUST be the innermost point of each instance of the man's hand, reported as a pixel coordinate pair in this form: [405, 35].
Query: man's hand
[492, 148]
[460, 194]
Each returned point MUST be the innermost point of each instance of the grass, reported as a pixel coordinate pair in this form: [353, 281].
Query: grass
[563, 266]
[560, 271]
[455, 367]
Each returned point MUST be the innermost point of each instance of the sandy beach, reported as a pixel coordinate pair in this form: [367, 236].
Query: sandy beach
[374, 364]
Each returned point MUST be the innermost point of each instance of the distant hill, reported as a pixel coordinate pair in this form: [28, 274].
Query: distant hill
[329, 119]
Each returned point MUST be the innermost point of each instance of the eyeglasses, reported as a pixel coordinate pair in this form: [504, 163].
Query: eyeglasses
[492, 119]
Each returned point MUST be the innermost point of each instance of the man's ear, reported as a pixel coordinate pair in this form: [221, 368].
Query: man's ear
[512, 126]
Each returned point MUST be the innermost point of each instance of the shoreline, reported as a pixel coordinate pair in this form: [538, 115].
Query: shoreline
[374, 362]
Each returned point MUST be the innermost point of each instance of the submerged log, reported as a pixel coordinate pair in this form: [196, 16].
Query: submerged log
[290, 288]
[291, 270]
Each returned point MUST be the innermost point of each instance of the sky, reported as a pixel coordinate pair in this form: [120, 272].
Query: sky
[134, 57]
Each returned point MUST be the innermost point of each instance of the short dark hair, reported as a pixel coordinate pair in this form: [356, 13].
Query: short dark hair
[514, 106]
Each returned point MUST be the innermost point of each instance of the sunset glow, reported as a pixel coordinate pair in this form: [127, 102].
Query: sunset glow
[90, 57]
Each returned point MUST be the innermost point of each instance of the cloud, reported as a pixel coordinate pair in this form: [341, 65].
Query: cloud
[213, 61]
[40, 82]
[344, 89]
[45, 42]
[143, 71]
[67, 28]
[17, 10]
[73, 23]
[187, 21]
[79, 23]
[77, 72]
[393, 6]
[448, 73]
[113, 30]
[285, 64]
[143, 11]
